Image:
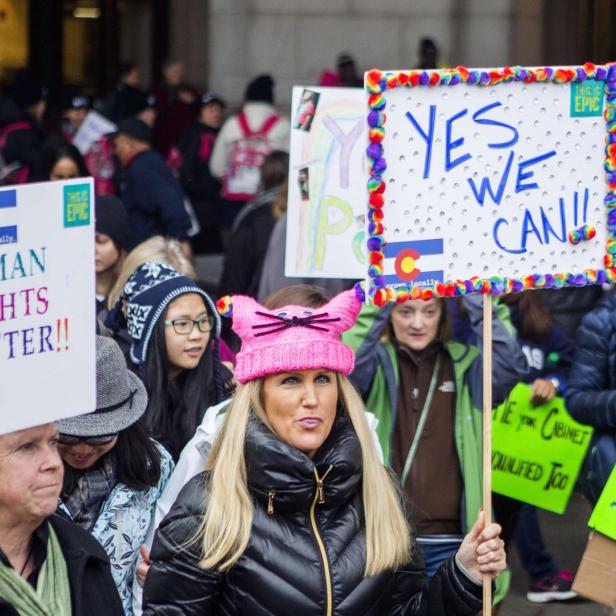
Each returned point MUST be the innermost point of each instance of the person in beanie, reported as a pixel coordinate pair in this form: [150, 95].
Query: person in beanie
[127, 98]
[152, 196]
[75, 108]
[347, 71]
[243, 143]
[112, 244]
[295, 513]
[175, 333]
[113, 472]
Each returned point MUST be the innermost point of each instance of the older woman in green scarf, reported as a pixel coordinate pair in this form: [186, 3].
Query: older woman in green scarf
[48, 565]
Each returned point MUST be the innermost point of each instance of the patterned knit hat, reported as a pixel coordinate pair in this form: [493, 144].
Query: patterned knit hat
[292, 337]
[147, 293]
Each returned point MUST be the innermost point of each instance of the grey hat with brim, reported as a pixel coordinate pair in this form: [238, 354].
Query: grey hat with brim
[121, 397]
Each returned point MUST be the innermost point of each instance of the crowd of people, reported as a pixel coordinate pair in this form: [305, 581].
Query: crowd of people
[303, 453]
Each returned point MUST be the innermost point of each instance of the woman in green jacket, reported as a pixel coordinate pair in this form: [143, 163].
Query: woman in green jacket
[426, 392]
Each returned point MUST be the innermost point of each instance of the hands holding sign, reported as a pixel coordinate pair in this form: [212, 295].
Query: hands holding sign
[543, 392]
[483, 551]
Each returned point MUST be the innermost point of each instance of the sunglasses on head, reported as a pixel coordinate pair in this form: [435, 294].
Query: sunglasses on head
[69, 439]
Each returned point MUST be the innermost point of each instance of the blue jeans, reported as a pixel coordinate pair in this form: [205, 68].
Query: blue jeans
[529, 543]
[436, 549]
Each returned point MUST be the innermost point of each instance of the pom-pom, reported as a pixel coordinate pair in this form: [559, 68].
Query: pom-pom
[374, 151]
[584, 233]
[224, 305]
[360, 294]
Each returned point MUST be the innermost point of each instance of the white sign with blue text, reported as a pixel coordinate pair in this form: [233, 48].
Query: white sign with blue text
[491, 181]
[47, 303]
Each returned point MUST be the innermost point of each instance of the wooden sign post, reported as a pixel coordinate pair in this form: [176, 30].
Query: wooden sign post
[487, 437]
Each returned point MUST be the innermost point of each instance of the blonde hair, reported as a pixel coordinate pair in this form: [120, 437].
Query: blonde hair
[225, 530]
[157, 248]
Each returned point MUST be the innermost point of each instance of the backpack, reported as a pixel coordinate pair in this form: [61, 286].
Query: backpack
[242, 176]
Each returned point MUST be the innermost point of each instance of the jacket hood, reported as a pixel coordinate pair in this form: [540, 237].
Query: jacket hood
[274, 465]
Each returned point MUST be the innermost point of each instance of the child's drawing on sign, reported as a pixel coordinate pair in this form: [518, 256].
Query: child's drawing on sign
[325, 204]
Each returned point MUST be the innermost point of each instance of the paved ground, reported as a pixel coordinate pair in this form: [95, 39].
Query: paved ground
[566, 538]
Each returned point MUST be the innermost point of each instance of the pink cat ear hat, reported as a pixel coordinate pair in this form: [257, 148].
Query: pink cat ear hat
[292, 337]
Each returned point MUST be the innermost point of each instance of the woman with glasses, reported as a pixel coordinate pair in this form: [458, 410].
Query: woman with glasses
[175, 333]
[113, 472]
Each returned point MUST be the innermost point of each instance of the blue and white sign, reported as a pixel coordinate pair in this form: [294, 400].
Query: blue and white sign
[47, 303]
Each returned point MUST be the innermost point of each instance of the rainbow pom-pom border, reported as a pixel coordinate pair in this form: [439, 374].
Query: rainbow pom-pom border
[377, 82]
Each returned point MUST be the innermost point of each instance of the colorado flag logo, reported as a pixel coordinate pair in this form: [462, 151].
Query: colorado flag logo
[415, 262]
[8, 201]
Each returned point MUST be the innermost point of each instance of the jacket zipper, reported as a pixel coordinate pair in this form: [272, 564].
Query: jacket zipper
[270, 502]
[319, 497]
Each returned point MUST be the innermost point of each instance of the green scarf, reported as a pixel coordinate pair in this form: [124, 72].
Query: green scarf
[52, 594]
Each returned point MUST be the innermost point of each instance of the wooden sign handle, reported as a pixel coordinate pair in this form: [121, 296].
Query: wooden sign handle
[487, 436]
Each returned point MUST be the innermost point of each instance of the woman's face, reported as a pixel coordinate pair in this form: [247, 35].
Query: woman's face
[106, 253]
[301, 406]
[83, 456]
[64, 169]
[184, 351]
[31, 472]
[415, 322]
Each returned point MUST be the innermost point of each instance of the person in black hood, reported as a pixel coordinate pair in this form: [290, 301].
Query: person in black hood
[202, 188]
[295, 513]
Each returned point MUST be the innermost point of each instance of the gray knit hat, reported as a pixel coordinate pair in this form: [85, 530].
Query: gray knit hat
[121, 398]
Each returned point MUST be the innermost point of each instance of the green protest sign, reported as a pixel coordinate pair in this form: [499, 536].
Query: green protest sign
[603, 518]
[537, 452]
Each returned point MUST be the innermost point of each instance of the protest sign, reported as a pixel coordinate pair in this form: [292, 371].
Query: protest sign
[537, 451]
[326, 195]
[490, 181]
[47, 303]
[93, 128]
[596, 575]
[603, 517]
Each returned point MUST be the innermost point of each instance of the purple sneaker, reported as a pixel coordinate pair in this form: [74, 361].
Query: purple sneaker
[553, 588]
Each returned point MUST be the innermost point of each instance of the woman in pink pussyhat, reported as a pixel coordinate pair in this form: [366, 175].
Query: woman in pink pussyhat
[295, 513]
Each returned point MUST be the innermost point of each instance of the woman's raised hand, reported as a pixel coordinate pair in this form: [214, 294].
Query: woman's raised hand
[483, 551]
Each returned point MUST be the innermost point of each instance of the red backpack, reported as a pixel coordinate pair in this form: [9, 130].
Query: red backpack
[242, 176]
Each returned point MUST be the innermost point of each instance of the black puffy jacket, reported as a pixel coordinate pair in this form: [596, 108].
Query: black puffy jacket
[305, 558]
[591, 392]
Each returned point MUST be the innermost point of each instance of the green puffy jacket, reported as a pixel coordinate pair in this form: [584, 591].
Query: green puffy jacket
[376, 377]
